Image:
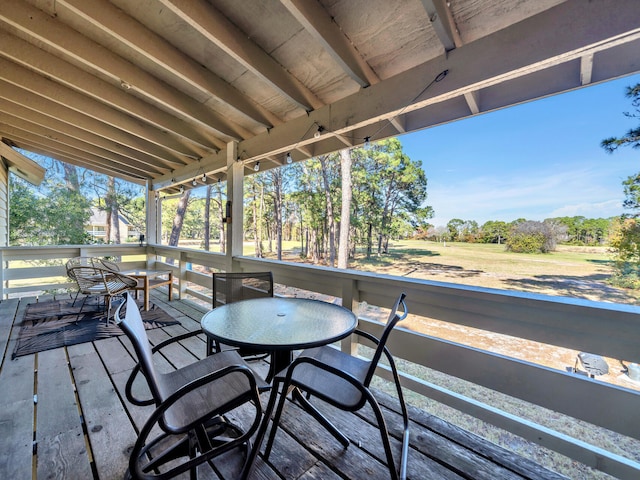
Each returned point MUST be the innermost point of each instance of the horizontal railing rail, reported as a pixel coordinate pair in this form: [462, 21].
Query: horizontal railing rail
[611, 330]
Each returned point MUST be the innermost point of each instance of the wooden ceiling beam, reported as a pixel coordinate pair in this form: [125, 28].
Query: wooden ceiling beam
[62, 139]
[216, 28]
[443, 23]
[50, 148]
[55, 126]
[22, 166]
[196, 140]
[328, 33]
[68, 43]
[111, 20]
[45, 88]
[79, 120]
[556, 36]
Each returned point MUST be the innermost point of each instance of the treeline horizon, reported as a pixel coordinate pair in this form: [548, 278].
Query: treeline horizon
[576, 230]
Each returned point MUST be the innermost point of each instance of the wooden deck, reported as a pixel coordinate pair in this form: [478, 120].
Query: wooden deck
[64, 415]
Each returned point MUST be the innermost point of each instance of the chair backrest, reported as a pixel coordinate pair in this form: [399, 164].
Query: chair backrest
[231, 287]
[394, 318]
[133, 327]
[89, 262]
[89, 279]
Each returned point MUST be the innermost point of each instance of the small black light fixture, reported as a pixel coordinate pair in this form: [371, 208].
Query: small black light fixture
[141, 238]
[288, 158]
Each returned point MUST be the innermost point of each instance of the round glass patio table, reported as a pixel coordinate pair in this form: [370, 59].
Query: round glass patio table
[279, 325]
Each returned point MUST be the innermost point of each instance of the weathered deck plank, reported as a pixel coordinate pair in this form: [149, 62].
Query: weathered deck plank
[88, 435]
[61, 447]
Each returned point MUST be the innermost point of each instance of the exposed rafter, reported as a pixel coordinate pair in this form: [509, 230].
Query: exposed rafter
[327, 33]
[103, 15]
[156, 90]
[216, 28]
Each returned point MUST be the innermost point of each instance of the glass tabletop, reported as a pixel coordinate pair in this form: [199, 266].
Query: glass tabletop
[279, 323]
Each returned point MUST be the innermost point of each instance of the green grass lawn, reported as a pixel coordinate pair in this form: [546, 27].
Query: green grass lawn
[578, 272]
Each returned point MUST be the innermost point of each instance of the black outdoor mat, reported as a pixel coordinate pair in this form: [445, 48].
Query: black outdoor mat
[53, 324]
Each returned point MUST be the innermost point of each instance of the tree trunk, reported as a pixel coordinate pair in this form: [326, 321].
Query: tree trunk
[178, 220]
[256, 227]
[331, 223]
[207, 218]
[369, 240]
[71, 177]
[276, 177]
[115, 217]
[221, 213]
[107, 227]
[345, 212]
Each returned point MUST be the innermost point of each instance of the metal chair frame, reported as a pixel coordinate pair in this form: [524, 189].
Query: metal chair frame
[233, 287]
[188, 421]
[102, 282]
[343, 381]
[83, 261]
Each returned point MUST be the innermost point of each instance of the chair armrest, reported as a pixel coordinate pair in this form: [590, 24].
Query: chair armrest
[175, 339]
[323, 366]
[252, 393]
[386, 351]
[136, 369]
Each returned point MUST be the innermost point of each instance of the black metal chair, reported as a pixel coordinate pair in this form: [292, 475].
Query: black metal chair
[188, 422]
[232, 287]
[341, 380]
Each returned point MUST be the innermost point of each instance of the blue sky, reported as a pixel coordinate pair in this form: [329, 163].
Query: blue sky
[538, 160]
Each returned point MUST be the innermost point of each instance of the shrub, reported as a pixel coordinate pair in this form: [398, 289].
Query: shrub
[532, 237]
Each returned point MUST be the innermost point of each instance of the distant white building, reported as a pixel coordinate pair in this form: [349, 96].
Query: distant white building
[97, 227]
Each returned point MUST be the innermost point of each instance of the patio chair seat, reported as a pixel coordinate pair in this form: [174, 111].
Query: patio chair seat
[343, 381]
[188, 426]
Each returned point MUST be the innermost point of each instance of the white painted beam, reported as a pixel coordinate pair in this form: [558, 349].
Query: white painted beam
[58, 146]
[442, 23]
[106, 17]
[327, 33]
[54, 126]
[47, 151]
[22, 166]
[586, 69]
[196, 140]
[473, 100]
[81, 121]
[16, 123]
[216, 28]
[68, 43]
[50, 90]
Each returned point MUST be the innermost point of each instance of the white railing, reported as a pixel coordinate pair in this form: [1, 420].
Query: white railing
[611, 330]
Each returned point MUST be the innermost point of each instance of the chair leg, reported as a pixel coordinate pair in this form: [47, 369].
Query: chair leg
[276, 418]
[384, 435]
[253, 453]
[322, 420]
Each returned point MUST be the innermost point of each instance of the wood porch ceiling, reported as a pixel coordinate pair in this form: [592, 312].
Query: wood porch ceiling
[154, 90]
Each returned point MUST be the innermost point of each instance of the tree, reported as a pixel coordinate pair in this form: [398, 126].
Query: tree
[532, 237]
[55, 213]
[454, 226]
[624, 242]
[331, 221]
[494, 232]
[178, 219]
[345, 212]
[632, 137]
